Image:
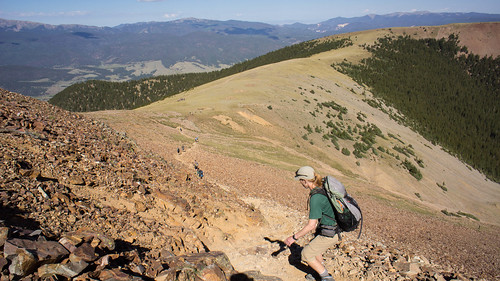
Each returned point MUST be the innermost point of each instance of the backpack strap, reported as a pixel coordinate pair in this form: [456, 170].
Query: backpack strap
[329, 231]
[360, 226]
[323, 229]
[322, 191]
[318, 190]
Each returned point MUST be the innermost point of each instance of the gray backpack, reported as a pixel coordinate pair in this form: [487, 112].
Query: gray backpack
[347, 211]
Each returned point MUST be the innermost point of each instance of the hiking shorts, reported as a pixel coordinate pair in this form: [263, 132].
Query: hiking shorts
[317, 246]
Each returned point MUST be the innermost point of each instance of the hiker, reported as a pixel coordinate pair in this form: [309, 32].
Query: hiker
[321, 219]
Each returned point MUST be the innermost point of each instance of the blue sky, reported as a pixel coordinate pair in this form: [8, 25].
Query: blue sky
[115, 12]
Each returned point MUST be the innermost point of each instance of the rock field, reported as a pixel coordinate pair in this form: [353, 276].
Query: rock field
[80, 201]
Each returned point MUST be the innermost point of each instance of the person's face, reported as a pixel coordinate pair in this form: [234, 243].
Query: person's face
[304, 183]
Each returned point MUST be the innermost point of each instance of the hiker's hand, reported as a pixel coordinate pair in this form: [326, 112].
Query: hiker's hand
[289, 241]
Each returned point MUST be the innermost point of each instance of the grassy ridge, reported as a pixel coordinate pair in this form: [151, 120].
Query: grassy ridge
[447, 95]
[97, 95]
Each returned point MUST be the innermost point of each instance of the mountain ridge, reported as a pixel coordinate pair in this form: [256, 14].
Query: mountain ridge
[120, 53]
[464, 17]
[435, 58]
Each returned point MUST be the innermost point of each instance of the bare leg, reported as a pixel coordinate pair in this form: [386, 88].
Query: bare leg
[317, 264]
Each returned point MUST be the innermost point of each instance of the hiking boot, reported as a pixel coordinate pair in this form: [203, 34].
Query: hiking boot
[327, 278]
[310, 277]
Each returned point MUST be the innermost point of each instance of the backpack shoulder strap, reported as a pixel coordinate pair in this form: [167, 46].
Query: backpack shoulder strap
[320, 190]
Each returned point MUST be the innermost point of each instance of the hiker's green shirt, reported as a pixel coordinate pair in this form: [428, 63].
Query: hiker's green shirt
[321, 209]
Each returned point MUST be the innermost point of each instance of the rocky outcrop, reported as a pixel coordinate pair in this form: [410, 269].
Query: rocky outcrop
[89, 255]
[356, 260]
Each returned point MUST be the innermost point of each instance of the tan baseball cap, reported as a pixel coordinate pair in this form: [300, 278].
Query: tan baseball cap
[304, 173]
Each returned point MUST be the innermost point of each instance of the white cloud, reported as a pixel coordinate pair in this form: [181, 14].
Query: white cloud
[170, 16]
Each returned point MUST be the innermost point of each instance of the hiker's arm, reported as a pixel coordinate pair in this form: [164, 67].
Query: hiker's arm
[310, 226]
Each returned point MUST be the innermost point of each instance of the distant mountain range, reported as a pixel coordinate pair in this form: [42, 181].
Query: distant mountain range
[40, 60]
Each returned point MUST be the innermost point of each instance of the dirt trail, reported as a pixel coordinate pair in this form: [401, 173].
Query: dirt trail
[259, 247]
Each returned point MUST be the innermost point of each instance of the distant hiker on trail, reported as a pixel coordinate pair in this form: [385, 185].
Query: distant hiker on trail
[320, 214]
[196, 165]
[200, 173]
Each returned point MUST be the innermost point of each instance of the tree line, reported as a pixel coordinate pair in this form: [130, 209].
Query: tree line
[94, 95]
[450, 96]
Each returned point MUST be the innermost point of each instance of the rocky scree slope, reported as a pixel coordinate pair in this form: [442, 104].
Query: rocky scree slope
[81, 201]
[125, 214]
